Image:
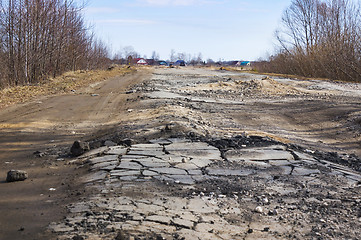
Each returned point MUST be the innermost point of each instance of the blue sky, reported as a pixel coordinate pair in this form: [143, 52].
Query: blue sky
[219, 29]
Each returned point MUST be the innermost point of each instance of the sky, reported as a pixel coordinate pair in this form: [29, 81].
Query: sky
[218, 29]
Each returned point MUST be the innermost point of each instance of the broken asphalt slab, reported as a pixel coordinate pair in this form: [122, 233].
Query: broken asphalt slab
[193, 172]
[221, 199]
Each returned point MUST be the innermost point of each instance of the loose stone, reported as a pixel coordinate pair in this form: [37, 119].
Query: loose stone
[16, 175]
[259, 209]
[78, 148]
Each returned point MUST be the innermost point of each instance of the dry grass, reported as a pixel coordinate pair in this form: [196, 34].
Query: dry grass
[60, 85]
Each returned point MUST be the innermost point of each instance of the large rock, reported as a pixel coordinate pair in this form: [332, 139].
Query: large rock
[79, 148]
[16, 175]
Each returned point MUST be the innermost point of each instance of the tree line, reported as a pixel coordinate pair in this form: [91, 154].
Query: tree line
[319, 38]
[42, 38]
[128, 51]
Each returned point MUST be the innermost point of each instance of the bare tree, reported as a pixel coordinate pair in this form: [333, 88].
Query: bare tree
[210, 62]
[182, 56]
[45, 37]
[155, 56]
[129, 51]
[320, 39]
[172, 56]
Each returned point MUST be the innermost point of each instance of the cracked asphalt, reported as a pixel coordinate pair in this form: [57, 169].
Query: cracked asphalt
[208, 154]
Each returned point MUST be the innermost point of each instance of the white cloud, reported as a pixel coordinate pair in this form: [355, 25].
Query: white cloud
[251, 7]
[175, 2]
[93, 10]
[254, 10]
[169, 2]
[128, 21]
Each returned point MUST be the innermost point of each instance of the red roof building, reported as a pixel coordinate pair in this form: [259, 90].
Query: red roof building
[140, 61]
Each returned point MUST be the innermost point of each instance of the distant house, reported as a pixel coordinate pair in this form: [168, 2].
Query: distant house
[151, 61]
[180, 63]
[140, 61]
[162, 63]
[229, 63]
[244, 63]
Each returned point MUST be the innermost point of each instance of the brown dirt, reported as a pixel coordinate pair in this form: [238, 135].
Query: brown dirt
[227, 109]
[323, 115]
[293, 111]
[66, 83]
[50, 125]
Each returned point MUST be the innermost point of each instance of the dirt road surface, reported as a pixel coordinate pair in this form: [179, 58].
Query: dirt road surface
[47, 126]
[214, 155]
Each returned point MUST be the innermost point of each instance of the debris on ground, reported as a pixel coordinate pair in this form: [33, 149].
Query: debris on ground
[78, 148]
[193, 170]
[148, 189]
[16, 175]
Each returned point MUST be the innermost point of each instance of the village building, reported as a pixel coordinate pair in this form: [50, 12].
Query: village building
[140, 61]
